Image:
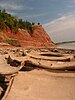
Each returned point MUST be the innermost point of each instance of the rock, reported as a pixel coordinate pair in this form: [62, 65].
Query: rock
[39, 37]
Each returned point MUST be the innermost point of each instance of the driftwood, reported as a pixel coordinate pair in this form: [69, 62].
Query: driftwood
[46, 60]
[53, 54]
[1, 90]
[52, 64]
[49, 53]
[36, 56]
[40, 59]
[20, 59]
[6, 68]
[8, 89]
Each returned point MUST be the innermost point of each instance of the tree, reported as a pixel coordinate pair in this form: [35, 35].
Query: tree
[33, 23]
[38, 23]
[13, 22]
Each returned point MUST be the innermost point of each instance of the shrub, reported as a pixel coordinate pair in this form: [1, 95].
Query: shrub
[13, 42]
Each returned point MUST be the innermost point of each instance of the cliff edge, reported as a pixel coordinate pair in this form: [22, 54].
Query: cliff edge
[39, 37]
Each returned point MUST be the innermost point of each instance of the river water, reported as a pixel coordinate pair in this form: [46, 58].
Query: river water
[67, 46]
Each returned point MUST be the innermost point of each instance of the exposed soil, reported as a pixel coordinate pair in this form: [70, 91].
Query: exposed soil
[39, 37]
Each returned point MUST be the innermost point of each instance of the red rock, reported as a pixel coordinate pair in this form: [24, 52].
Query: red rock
[39, 37]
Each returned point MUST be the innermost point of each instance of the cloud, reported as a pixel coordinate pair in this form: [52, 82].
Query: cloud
[62, 23]
[73, 1]
[70, 6]
[11, 6]
[31, 0]
[33, 15]
[63, 28]
[12, 13]
[16, 5]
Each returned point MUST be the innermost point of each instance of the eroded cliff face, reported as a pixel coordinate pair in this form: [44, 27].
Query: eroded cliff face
[39, 38]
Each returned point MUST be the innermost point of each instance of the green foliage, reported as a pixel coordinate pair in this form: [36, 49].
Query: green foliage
[26, 25]
[38, 23]
[13, 22]
[13, 42]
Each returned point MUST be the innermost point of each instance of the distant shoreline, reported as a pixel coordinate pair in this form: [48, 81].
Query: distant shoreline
[65, 42]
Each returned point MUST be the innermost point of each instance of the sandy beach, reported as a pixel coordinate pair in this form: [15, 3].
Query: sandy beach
[42, 85]
[31, 82]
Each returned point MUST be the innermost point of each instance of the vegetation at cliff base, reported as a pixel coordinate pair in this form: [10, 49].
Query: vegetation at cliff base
[7, 20]
[13, 42]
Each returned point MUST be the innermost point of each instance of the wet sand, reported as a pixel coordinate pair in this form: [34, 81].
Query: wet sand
[42, 85]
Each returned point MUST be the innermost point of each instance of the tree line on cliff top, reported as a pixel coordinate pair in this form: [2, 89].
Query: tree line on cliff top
[7, 20]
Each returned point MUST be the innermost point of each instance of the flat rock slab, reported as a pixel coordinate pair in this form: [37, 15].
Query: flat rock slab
[42, 85]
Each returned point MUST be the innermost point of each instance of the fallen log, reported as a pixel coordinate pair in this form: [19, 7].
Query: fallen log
[1, 90]
[49, 53]
[36, 56]
[8, 88]
[7, 69]
[20, 59]
[52, 64]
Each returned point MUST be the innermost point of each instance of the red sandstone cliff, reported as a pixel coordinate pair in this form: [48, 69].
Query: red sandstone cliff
[39, 37]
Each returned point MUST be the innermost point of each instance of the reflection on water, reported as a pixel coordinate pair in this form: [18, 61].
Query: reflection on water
[67, 46]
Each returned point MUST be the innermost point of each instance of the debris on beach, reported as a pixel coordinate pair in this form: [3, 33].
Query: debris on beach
[14, 61]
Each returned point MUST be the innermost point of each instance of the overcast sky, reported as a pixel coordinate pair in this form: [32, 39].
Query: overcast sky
[42, 11]
[57, 16]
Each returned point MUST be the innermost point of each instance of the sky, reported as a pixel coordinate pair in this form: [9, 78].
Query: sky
[56, 16]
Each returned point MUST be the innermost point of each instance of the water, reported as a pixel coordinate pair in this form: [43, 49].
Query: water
[67, 46]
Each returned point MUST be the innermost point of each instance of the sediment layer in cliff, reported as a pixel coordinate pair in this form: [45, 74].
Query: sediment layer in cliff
[39, 37]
